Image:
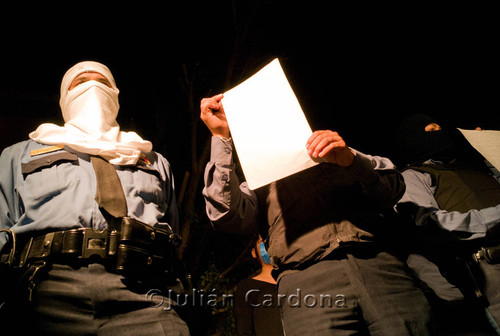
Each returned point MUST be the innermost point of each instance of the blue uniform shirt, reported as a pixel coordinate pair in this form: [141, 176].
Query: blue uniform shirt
[56, 190]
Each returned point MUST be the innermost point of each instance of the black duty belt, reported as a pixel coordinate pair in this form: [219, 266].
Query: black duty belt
[133, 248]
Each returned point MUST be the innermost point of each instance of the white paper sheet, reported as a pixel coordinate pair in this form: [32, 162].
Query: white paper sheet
[268, 127]
[485, 142]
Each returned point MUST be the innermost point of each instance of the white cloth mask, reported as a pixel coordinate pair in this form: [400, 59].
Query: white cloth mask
[89, 111]
[93, 107]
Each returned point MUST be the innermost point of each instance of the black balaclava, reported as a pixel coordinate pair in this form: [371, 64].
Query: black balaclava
[414, 145]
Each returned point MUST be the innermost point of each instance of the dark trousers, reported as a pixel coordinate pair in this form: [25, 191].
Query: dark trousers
[372, 294]
[91, 301]
[491, 274]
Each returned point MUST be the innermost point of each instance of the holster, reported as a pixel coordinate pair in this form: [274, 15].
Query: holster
[145, 250]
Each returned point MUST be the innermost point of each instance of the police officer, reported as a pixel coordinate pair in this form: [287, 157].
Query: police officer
[74, 201]
[454, 201]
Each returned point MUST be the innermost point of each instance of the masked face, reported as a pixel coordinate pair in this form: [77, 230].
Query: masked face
[92, 106]
[89, 105]
[419, 139]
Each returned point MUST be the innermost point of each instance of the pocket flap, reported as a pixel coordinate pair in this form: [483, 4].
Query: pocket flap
[47, 161]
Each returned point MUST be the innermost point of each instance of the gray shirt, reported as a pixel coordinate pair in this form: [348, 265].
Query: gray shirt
[306, 215]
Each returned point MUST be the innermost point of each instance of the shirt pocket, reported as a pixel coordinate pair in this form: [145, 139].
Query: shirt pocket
[48, 176]
[149, 185]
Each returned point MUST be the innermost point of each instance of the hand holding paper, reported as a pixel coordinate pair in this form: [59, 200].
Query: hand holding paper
[212, 114]
[330, 147]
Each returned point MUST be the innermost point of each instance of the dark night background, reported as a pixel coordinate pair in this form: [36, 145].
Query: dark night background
[358, 70]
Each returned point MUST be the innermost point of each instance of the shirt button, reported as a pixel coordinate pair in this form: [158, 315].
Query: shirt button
[224, 177]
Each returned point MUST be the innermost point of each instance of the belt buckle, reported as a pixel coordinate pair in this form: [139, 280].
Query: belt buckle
[95, 243]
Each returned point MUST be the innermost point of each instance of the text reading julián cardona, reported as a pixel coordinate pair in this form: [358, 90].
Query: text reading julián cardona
[254, 297]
